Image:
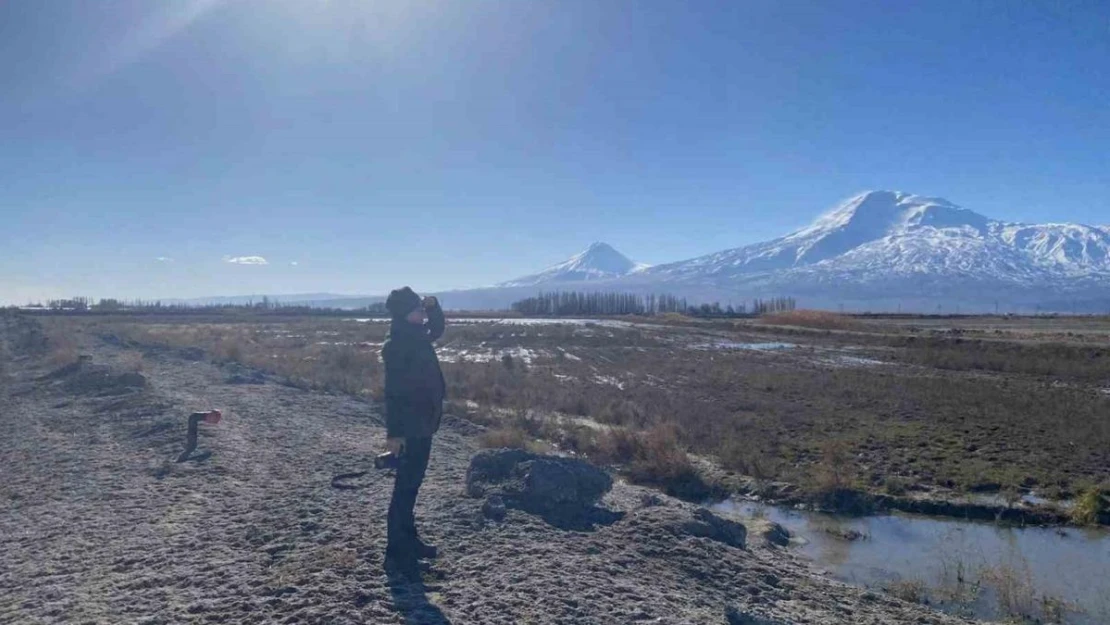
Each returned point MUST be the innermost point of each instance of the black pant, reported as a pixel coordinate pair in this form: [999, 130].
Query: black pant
[401, 522]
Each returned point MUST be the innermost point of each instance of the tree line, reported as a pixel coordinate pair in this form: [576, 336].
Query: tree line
[113, 305]
[570, 303]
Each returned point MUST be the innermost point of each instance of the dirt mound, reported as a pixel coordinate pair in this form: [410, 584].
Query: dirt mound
[681, 522]
[87, 378]
[25, 335]
[239, 374]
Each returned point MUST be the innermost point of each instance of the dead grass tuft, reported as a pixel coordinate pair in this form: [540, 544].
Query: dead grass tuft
[912, 590]
[1089, 506]
[132, 361]
[62, 344]
[1016, 594]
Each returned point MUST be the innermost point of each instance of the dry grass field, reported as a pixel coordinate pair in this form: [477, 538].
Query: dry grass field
[810, 403]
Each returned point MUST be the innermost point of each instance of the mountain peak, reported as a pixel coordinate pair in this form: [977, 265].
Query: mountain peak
[874, 214]
[599, 261]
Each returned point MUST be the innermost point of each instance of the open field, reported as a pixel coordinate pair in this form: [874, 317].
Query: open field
[99, 524]
[795, 406]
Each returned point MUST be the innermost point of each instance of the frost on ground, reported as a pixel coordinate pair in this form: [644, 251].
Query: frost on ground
[99, 525]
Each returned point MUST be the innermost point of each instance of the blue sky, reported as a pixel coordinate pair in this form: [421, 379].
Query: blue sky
[451, 144]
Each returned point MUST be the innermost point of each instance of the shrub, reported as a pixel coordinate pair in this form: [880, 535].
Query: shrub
[511, 436]
[62, 344]
[912, 590]
[1089, 506]
[895, 486]
[655, 457]
[132, 360]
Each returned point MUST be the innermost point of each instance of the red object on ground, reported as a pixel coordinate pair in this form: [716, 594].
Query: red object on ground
[213, 417]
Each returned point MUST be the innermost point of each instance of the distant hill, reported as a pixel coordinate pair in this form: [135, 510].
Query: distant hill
[304, 299]
[597, 262]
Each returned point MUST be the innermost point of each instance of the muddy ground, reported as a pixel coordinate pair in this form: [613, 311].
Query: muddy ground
[100, 525]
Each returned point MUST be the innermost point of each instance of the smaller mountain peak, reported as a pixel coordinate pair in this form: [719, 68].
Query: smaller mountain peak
[599, 261]
[600, 246]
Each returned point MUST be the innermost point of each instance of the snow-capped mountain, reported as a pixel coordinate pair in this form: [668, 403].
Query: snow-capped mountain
[885, 235]
[880, 250]
[597, 262]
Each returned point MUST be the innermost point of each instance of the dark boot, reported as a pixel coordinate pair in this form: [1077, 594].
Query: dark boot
[401, 559]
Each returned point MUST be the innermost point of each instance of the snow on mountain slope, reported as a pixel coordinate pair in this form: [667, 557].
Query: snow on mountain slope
[879, 249]
[598, 262]
[879, 235]
[1066, 248]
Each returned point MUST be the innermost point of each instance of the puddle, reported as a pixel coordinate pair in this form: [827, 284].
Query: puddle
[759, 347]
[1069, 564]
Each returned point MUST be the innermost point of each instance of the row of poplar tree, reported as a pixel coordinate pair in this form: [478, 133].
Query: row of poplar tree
[565, 303]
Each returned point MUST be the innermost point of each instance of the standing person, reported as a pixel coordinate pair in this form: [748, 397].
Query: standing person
[414, 392]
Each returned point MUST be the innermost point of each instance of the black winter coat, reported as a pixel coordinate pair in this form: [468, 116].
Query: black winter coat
[414, 386]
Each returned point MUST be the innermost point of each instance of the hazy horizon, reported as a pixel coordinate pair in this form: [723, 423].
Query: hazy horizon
[198, 148]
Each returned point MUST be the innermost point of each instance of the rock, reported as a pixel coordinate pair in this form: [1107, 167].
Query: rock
[238, 374]
[494, 508]
[734, 616]
[534, 480]
[708, 525]
[776, 535]
[564, 491]
[193, 354]
[681, 522]
[84, 377]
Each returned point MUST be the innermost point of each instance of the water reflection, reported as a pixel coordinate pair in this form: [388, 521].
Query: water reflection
[955, 556]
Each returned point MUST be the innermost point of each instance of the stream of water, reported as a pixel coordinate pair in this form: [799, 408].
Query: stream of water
[1001, 567]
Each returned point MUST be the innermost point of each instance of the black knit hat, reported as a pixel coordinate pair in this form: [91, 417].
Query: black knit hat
[401, 302]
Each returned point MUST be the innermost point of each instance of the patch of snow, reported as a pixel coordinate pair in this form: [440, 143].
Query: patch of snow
[759, 347]
[853, 361]
[517, 353]
[609, 380]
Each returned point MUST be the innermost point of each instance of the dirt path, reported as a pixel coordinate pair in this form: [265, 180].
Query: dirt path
[99, 525]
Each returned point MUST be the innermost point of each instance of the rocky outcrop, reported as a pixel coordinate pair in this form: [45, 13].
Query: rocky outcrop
[683, 522]
[565, 491]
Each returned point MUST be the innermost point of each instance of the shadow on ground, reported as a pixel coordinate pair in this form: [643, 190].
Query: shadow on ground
[410, 599]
